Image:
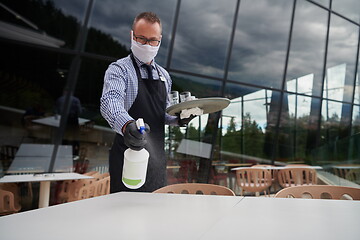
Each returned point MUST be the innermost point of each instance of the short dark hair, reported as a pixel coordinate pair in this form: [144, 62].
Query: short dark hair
[147, 16]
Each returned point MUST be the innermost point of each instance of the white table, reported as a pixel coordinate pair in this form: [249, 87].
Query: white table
[55, 122]
[45, 180]
[284, 218]
[175, 216]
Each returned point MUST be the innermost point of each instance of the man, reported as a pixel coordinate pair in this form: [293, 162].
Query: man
[137, 87]
[72, 125]
[74, 112]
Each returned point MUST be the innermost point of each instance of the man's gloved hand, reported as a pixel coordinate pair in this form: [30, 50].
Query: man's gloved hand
[133, 138]
[185, 121]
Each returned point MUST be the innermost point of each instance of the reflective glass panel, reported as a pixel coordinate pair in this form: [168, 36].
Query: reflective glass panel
[306, 59]
[299, 110]
[46, 23]
[356, 120]
[324, 3]
[112, 22]
[356, 110]
[197, 86]
[348, 8]
[357, 88]
[28, 103]
[260, 43]
[331, 116]
[202, 36]
[341, 59]
[247, 124]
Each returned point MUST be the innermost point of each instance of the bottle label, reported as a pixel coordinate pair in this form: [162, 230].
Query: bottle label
[131, 182]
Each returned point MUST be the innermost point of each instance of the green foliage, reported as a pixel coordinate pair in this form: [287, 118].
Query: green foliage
[248, 140]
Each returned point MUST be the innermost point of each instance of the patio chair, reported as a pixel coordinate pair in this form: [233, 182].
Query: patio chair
[290, 177]
[274, 175]
[320, 192]
[196, 188]
[69, 190]
[353, 175]
[8, 205]
[9, 198]
[253, 180]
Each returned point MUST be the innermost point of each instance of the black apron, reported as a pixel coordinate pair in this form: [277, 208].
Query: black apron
[150, 105]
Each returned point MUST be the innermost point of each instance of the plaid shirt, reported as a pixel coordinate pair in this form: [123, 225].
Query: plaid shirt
[120, 91]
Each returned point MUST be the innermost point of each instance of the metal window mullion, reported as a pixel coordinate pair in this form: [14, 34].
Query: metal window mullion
[173, 33]
[317, 143]
[277, 130]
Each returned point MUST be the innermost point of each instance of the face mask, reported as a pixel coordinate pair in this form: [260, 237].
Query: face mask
[144, 53]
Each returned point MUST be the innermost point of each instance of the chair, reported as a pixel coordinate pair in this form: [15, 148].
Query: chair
[253, 180]
[8, 205]
[290, 177]
[10, 198]
[342, 170]
[81, 166]
[103, 186]
[187, 172]
[320, 192]
[196, 188]
[353, 175]
[69, 190]
[96, 188]
[274, 174]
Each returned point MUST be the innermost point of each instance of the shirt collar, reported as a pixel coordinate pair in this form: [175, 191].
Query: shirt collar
[140, 63]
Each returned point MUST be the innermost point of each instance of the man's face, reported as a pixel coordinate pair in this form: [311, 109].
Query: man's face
[150, 31]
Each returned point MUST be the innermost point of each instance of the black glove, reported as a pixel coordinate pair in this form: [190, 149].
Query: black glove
[133, 138]
[185, 121]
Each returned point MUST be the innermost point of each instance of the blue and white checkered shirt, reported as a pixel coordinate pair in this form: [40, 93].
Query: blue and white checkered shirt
[120, 91]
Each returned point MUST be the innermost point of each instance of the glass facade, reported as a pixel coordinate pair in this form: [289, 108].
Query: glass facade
[290, 69]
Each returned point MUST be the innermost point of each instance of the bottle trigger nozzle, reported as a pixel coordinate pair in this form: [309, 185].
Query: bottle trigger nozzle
[140, 125]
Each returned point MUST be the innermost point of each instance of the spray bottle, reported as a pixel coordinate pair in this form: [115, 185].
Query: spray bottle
[135, 163]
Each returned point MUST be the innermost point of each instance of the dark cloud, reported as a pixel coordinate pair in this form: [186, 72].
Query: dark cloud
[261, 37]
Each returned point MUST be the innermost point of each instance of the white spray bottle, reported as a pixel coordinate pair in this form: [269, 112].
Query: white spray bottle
[135, 163]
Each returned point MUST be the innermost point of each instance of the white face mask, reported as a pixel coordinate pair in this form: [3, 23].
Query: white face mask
[144, 53]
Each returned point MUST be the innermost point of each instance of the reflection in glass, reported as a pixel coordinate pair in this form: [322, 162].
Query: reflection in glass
[334, 82]
[259, 50]
[349, 8]
[299, 110]
[50, 23]
[356, 120]
[331, 116]
[356, 109]
[203, 35]
[306, 57]
[341, 58]
[199, 87]
[301, 85]
[324, 3]
[335, 140]
[28, 93]
[357, 89]
[113, 23]
[244, 125]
